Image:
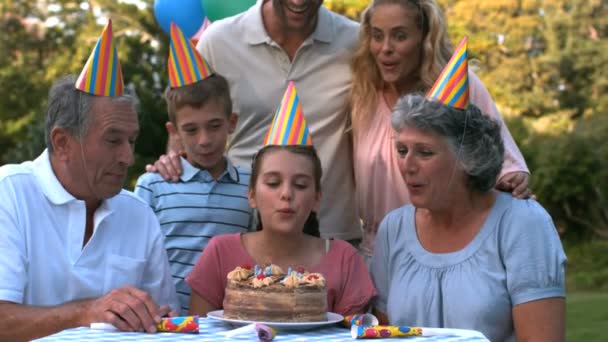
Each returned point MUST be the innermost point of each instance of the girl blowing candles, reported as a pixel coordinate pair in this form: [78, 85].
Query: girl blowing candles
[285, 189]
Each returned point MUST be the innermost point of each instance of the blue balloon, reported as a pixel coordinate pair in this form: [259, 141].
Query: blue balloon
[187, 14]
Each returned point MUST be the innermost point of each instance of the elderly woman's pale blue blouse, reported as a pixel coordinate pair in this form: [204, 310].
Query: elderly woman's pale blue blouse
[515, 258]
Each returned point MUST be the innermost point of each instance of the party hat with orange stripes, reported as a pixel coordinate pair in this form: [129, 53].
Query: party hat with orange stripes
[289, 126]
[452, 86]
[186, 65]
[101, 75]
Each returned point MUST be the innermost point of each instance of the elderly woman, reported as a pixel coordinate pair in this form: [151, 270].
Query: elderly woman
[464, 255]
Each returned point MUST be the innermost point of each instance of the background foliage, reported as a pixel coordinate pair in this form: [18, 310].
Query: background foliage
[544, 61]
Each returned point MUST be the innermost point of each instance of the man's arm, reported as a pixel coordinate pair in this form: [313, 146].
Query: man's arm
[23, 323]
[127, 308]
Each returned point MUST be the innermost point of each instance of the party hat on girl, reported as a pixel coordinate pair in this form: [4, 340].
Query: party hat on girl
[289, 125]
[101, 74]
[186, 65]
[452, 86]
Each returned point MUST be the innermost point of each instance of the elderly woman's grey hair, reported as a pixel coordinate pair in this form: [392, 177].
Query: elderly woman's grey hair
[70, 108]
[474, 138]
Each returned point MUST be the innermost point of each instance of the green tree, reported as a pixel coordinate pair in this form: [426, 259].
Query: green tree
[544, 63]
[23, 56]
[45, 53]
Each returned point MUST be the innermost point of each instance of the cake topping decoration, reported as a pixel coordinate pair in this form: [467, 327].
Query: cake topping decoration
[260, 276]
[257, 283]
[268, 281]
[240, 273]
[316, 279]
[292, 280]
[299, 272]
[273, 270]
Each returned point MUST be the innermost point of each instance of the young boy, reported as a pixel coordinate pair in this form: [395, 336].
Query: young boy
[211, 196]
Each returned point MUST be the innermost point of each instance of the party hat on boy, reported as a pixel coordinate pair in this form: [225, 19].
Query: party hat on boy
[186, 65]
[452, 86]
[289, 126]
[101, 75]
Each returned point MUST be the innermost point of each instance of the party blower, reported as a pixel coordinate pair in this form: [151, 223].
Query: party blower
[264, 332]
[387, 331]
[364, 320]
[184, 324]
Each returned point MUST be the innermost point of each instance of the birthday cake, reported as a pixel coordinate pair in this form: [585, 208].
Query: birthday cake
[268, 294]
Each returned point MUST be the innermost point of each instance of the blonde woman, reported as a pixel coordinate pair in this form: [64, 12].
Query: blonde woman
[403, 46]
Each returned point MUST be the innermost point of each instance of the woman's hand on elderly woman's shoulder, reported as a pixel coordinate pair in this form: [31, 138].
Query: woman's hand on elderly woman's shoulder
[516, 183]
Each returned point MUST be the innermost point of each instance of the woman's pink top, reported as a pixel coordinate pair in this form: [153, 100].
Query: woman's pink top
[379, 184]
[349, 285]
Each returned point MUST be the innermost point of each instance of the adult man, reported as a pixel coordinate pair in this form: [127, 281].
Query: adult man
[75, 248]
[259, 52]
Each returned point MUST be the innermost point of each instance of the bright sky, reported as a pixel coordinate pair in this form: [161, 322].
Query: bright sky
[140, 4]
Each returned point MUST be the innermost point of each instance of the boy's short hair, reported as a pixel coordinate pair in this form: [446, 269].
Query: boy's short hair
[196, 95]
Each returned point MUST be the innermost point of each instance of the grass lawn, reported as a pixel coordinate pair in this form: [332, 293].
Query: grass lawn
[586, 316]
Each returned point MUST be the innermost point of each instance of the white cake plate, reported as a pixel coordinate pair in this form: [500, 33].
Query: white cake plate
[332, 318]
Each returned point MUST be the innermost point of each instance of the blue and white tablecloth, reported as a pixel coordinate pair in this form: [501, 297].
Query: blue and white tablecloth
[212, 331]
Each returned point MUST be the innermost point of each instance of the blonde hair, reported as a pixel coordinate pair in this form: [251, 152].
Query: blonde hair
[436, 52]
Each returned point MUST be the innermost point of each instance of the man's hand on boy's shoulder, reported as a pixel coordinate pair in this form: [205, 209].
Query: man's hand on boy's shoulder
[168, 165]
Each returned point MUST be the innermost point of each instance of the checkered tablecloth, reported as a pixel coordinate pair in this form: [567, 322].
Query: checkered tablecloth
[211, 331]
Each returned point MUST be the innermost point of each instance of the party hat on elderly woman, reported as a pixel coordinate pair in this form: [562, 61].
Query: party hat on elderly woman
[186, 65]
[452, 86]
[101, 74]
[289, 125]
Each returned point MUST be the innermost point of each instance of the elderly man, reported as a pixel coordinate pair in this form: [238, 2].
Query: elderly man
[259, 52]
[74, 247]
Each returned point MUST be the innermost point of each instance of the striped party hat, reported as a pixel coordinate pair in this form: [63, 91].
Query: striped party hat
[289, 126]
[101, 75]
[452, 86]
[186, 65]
